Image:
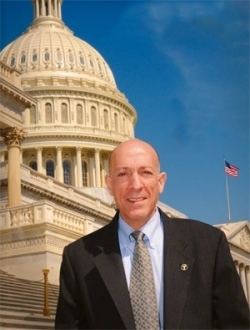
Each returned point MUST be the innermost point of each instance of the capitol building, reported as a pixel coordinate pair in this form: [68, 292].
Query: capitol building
[61, 115]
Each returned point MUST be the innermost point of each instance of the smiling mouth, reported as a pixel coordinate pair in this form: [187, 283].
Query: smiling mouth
[136, 200]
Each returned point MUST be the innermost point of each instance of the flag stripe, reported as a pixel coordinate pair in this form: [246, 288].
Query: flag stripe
[231, 169]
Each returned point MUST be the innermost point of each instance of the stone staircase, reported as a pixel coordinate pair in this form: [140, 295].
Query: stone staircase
[21, 303]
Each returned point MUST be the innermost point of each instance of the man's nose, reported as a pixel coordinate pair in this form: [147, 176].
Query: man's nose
[136, 182]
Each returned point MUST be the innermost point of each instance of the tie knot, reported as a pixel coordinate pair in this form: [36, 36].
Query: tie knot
[138, 235]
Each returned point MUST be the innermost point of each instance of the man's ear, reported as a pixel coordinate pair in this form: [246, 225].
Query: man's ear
[162, 181]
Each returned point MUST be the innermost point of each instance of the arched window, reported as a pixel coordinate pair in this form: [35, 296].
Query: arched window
[34, 56]
[23, 58]
[91, 62]
[99, 66]
[48, 113]
[64, 113]
[116, 122]
[58, 55]
[93, 117]
[66, 172]
[81, 58]
[46, 55]
[71, 57]
[84, 174]
[33, 115]
[33, 165]
[50, 168]
[79, 114]
[12, 61]
[123, 124]
[106, 119]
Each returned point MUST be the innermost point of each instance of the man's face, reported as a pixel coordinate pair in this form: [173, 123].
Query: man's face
[135, 181]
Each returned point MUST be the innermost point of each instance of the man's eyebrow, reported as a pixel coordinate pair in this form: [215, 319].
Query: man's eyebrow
[131, 168]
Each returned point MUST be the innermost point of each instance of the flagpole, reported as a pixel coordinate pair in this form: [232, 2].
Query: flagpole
[228, 198]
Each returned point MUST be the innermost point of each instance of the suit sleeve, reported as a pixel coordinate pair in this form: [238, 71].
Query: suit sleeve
[70, 313]
[230, 306]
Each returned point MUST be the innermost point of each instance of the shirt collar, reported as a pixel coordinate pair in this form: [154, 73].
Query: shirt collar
[150, 229]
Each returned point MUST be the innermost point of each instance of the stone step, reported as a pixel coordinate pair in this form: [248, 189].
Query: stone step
[34, 297]
[26, 285]
[19, 288]
[4, 277]
[38, 301]
[26, 316]
[10, 322]
[21, 304]
[25, 305]
[22, 309]
[32, 307]
[6, 325]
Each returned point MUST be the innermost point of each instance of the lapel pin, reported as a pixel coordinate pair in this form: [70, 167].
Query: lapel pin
[184, 267]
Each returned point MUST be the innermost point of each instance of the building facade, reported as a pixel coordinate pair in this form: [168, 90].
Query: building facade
[61, 116]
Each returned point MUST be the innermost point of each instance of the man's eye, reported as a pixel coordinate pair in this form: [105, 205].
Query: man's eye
[147, 173]
[121, 174]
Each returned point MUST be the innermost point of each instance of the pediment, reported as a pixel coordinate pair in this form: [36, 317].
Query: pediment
[238, 234]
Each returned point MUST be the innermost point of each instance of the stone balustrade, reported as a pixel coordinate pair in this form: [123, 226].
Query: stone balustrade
[10, 74]
[41, 212]
[69, 195]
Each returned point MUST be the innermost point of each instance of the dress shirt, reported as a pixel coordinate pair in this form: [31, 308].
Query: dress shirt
[153, 239]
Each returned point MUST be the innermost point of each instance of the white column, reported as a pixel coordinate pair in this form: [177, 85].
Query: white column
[49, 8]
[2, 158]
[39, 160]
[43, 8]
[13, 138]
[243, 278]
[60, 9]
[56, 8]
[248, 283]
[59, 168]
[21, 156]
[237, 266]
[79, 166]
[92, 172]
[104, 170]
[37, 9]
[97, 168]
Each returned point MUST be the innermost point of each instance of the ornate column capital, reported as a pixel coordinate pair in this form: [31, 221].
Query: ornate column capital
[13, 136]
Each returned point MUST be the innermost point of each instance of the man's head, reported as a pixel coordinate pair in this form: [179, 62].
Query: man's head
[135, 181]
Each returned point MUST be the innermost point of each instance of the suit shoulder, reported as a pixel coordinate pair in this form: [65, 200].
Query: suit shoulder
[196, 227]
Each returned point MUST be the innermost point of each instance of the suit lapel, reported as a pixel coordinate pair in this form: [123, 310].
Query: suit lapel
[178, 263]
[110, 266]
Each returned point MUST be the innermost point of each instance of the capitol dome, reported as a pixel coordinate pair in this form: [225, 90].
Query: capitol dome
[49, 48]
[80, 115]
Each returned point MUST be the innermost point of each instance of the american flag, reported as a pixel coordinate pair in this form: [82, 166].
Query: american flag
[231, 169]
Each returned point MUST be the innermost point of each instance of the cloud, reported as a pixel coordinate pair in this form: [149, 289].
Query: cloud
[208, 44]
[159, 15]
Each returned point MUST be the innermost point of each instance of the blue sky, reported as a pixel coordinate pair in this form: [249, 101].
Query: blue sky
[184, 65]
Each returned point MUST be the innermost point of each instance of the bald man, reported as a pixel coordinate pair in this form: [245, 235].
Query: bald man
[195, 283]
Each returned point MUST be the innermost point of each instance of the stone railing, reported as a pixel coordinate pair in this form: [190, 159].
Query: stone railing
[69, 194]
[77, 130]
[42, 212]
[49, 188]
[10, 74]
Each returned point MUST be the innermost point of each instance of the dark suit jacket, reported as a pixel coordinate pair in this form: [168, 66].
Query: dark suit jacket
[208, 295]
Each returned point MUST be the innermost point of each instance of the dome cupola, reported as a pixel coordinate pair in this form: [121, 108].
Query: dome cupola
[49, 48]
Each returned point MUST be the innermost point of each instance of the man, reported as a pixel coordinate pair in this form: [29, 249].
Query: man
[195, 284]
